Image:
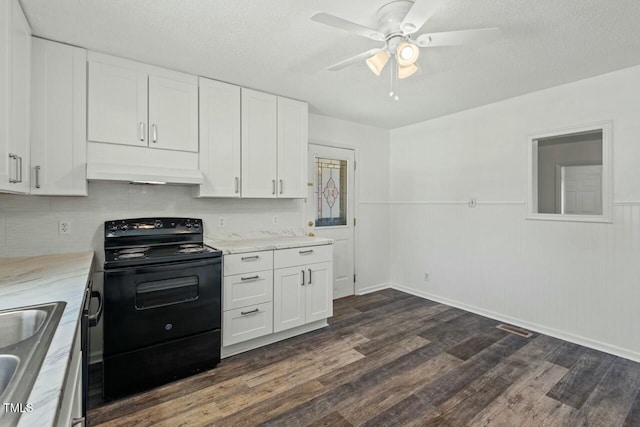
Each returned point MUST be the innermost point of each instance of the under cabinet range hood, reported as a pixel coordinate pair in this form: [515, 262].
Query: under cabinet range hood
[117, 162]
[143, 174]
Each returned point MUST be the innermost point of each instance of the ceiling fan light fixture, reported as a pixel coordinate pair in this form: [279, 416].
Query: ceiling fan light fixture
[408, 71]
[407, 54]
[377, 62]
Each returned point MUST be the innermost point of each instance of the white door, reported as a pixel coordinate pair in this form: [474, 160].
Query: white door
[259, 145]
[20, 96]
[292, 148]
[330, 209]
[117, 105]
[219, 139]
[581, 190]
[58, 119]
[319, 280]
[173, 114]
[289, 301]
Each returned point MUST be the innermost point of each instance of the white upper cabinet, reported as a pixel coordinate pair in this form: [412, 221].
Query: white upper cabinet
[274, 146]
[140, 105]
[259, 144]
[15, 67]
[292, 148]
[117, 105]
[219, 139]
[173, 114]
[58, 119]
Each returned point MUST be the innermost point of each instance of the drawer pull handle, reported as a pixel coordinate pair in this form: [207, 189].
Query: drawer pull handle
[310, 251]
[254, 311]
[256, 277]
[250, 258]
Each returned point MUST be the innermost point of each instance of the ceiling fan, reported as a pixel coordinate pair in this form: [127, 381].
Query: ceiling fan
[398, 23]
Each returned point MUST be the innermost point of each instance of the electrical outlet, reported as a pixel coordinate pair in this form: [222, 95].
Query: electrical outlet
[426, 277]
[64, 227]
[275, 219]
[221, 222]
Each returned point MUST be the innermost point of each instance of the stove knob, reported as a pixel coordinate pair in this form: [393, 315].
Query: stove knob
[188, 225]
[113, 227]
[158, 224]
[196, 225]
[124, 227]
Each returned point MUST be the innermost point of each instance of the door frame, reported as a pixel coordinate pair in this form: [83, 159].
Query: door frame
[356, 199]
[558, 183]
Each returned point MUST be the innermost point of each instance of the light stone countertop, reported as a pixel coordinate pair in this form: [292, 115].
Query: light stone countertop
[239, 243]
[42, 279]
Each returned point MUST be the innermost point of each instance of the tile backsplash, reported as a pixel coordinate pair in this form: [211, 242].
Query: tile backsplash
[29, 224]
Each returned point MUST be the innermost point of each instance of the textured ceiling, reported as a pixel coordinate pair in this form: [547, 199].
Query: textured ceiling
[272, 45]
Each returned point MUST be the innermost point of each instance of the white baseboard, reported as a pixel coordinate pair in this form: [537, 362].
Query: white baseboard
[374, 288]
[271, 338]
[576, 339]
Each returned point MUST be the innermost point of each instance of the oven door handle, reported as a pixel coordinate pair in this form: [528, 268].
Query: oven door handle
[95, 318]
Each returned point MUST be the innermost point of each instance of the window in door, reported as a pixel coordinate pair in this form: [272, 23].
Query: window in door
[331, 192]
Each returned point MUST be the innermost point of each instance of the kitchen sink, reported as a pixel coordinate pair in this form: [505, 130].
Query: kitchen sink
[8, 366]
[16, 326]
[25, 336]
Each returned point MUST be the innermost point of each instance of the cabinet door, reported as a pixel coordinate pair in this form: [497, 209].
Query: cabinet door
[173, 114]
[319, 287]
[288, 298]
[258, 144]
[5, 93]
[117, 105]
[20, 97]
[219, 139]
[58, 119]
[292, 148]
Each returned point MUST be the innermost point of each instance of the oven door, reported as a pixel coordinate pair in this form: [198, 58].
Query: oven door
[153, 304]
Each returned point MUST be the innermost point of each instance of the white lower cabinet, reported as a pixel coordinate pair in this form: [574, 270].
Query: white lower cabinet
[70, 413]
[302, 294]
[295, 290]
[242, 324]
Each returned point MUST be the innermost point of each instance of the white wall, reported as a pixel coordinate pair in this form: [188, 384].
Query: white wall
[372, 186]
[579, 281]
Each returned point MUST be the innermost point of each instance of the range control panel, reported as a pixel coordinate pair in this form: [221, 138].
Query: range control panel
[151, 226]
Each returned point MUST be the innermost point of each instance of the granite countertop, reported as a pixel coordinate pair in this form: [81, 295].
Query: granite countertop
[262, 241]
[42, 279]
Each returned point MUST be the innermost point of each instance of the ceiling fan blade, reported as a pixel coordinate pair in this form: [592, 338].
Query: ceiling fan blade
[343, 24]
[349, 61]
[419, 13]
[457, 38]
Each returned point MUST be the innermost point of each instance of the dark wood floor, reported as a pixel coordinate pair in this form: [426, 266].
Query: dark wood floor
[389, 358]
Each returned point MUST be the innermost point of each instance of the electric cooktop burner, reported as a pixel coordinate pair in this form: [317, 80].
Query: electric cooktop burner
[130, 255]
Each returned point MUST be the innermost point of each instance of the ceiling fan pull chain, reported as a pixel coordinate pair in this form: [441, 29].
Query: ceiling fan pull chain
[394, 79]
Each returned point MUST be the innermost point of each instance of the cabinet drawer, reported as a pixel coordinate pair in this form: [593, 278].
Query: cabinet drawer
[300, 256]
[242, 290]
[246, 323]
[248, 262]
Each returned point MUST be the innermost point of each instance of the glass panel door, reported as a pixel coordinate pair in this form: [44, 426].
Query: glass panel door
[331, 192]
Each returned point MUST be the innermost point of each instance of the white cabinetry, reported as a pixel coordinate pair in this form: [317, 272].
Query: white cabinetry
[267, 292]
[259, 144]
[58, 119]
[135, 104]
[274, 146]
[219, 139]
[302, 288]
[247, 297]
[70, 412]
[292, 148]
[15, 66]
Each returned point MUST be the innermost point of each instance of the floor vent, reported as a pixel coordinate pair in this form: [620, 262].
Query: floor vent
[514, 330]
